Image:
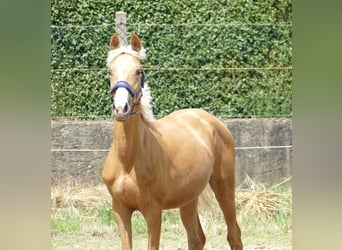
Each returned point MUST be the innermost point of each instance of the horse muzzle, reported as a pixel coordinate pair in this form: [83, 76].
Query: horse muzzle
[121, 113]
[122, 95]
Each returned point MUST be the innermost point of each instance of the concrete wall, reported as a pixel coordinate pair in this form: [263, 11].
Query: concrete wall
[263, 150]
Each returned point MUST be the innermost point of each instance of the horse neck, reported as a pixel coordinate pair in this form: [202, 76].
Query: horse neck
[128, 138]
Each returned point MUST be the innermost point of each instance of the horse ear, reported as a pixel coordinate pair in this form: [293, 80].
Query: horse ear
[135, 43]
[114, 41]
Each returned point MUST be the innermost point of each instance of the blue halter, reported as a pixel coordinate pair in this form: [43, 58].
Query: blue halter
[124, 84]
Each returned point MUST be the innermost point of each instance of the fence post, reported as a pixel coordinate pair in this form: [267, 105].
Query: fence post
[120, 26]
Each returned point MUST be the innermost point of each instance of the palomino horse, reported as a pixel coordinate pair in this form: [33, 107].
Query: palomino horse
[155, 165]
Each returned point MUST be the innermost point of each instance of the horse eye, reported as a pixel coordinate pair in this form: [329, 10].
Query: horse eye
[138, 72]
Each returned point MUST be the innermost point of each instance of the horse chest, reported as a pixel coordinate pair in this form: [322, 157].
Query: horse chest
[132, 190]
[125, 188]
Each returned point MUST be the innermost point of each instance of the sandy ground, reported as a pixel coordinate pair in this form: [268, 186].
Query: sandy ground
[62, 241]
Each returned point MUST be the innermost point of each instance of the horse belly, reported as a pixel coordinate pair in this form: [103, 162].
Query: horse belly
[181, 196]
[190, 170]
[187, 185]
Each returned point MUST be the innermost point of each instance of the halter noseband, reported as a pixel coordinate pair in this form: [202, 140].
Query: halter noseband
[125, 85]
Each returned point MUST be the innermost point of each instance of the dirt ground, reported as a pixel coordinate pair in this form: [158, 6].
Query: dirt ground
[169, 241]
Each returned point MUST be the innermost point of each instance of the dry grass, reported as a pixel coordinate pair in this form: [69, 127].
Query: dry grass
[256, 199]
[251, 197]
[83, 198]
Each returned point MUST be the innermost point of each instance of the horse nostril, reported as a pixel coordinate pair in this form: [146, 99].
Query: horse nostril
[125, 108]
[121, 110]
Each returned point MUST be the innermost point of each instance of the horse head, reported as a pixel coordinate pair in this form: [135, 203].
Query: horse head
[126, 76]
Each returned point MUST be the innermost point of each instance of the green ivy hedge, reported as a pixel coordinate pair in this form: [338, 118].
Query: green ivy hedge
[241, 35]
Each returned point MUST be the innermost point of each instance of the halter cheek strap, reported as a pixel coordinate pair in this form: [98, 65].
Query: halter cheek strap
[143, 74]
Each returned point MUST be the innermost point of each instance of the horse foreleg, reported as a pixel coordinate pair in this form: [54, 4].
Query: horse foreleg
[122, 216]
[192, 224]
[152, 215]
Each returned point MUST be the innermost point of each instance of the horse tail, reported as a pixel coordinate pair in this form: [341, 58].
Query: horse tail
[206, 199]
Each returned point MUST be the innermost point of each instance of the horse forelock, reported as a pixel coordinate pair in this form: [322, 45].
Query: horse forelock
[112, 54]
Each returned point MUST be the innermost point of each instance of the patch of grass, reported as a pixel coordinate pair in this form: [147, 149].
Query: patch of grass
[138, 223]
[66, 221]
[170, 219]
[105, 215]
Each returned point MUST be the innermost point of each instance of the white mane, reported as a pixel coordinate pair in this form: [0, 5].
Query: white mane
[146, 104]
[146, 99]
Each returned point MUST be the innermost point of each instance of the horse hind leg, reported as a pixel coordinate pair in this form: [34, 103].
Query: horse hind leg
[222, 183]
[192, 224]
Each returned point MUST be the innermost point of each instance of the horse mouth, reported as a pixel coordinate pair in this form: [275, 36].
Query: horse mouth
[121, 117]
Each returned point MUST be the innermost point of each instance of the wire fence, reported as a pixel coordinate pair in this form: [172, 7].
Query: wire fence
[121, 28]
[183, 69]
[234, 24]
